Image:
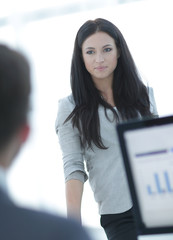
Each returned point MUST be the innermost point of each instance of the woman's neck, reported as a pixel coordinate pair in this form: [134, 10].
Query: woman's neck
[105, 88]
[107, 94]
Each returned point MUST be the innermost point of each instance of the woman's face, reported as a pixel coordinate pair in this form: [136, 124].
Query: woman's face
[100, 56]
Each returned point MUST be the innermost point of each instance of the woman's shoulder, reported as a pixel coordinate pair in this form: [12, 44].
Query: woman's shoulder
[150, 90]
[153, 106]
[65, 107]
[67, 102]
[150, 93]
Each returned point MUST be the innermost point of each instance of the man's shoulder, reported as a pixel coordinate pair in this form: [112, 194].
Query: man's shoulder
[31, 224]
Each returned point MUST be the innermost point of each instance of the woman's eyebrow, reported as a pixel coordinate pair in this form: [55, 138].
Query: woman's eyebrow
[89, 48]
[107, 45]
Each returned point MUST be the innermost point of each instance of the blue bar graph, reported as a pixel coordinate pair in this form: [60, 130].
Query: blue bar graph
[149, 190]
[168, 184]
[160, 187]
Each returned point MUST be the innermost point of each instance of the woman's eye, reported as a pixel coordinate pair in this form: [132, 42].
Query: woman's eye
[90, 52]
[107, 49]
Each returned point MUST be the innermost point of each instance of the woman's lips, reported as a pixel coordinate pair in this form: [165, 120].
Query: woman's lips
[100, 68]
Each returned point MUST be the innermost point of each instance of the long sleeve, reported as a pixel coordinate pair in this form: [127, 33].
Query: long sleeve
[69, 140]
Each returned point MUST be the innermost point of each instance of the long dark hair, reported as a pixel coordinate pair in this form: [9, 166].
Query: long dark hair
[130, 94]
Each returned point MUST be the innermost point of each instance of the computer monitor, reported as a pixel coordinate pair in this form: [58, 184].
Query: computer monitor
[147, 150]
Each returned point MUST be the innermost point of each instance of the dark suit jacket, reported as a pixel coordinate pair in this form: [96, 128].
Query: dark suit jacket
[23, 224]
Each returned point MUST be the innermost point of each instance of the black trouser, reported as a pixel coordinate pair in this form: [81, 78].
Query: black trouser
[119, 226]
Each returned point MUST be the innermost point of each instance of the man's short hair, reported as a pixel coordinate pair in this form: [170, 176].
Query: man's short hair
[15, 89]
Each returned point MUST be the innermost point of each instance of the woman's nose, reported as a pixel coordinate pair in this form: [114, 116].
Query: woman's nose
[99, 58]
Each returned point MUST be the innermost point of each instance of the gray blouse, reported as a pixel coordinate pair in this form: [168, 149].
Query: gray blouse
[103, 168]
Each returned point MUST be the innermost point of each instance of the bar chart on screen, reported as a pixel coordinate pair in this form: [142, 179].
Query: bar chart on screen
[167, 187]
[154, 181]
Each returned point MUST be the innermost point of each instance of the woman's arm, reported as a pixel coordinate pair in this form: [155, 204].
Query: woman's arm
[74, 191]
[73, 160]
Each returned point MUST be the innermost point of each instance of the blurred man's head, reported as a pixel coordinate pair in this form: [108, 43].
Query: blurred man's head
[14, 102]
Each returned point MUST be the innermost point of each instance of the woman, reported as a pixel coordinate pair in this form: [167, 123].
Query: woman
[106, 89]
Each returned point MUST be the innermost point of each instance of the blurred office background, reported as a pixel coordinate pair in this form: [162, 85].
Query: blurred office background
[44, 30]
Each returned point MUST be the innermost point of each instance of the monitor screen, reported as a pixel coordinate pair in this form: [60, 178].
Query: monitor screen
[150, 154]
